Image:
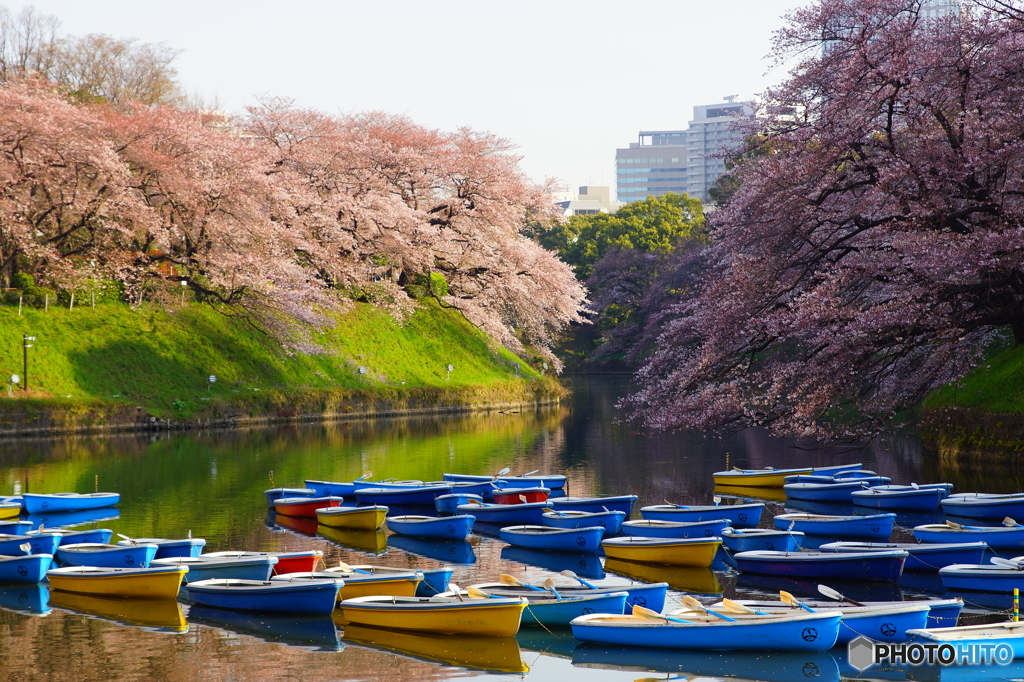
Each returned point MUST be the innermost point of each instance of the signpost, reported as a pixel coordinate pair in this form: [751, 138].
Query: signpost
[25, 345]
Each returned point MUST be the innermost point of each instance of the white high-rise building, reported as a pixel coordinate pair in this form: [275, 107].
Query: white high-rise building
[710, 138]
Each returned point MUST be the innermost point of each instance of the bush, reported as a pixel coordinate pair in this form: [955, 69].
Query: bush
[23, 281]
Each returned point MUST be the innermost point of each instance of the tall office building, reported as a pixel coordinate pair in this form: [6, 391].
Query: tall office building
[680, 161]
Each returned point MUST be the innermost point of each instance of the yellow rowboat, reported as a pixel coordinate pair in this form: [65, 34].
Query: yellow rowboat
[682, 578]
[757, 478]
[699, 552]
[359, 518]
[161, 614]
[439, 615]
[374, 541]
[10, 507]
[368, 581]
[495, 654]
[744, 492]
[152, 583]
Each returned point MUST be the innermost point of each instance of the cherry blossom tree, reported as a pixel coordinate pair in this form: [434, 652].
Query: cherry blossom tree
[878, 246]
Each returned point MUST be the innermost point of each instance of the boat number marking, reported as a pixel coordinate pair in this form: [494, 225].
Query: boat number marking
[23, 597]
[581, 565]
[769, 545]
[129, 559]
[874, 527]
[641, 601]
[743, 516]
[22, 570]
[708, 532]
[45, 504]
[888, 629]
[580, 540]
[588, 610]
[811, 669]
[809, 634]
[451, 552]
[451, 528]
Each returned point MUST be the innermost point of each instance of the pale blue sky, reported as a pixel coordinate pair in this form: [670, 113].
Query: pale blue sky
[567, 81]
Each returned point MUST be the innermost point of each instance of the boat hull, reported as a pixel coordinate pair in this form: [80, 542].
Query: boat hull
[871, 566]
[1011, 634]
[287, 562]
[45, 543]
[359, 518]
[698, 552]
[822, 492]
[150, 583]
[982, 578]
[757, 478]
[35, 503]
[923, 499]
[331, 488]
[995, 508]
[887, 623]
[622, 503]
[554, 481]
[809, 632]
[411, 497]
[205, 568]
[923, 557]
[740, 515]
[530, 514]
[275, 494]
[106, 556]
[610, 520]
[442, 527]
[448, 504]
[650, 528]
[995, 537]
[304, 507]
[561, 612]
[757, 539]
[30, 568]
[554, 539]
[488, 617]
[876, 526]
[309, 597]
[170, 549]
[517, 495]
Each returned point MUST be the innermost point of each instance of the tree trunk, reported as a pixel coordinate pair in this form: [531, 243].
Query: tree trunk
[1018, 333]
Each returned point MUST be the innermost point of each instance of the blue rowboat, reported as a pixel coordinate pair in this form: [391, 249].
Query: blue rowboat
[449, 551]
[754, 539]
[884, 497]
[441, 527]
[105, 556]
[878, 526]
[798, 632]
[275, 494]
[868, 478]
[41, 543]
[741, 515]
[941, 612]
[529, 513]
[648, 595]
[883, 566]
[331, 488]
[167, 549]
[545, 610]
[838, 491]
[996, 537]
[27, 568]
[482, 488]
[435, 581]
[36, 503]
[585, 564]
[15, 527]
[652, 528]
[944, 488]
[923, 556]
[556, 539]
[984, 577]
[611, 520]
[622, 503]
[298, 597]
[448, 504]
[71, 537]
[991, 634]
[408, 495]
[882, 623]
[984, 506]
[554, 481]
[205, 567]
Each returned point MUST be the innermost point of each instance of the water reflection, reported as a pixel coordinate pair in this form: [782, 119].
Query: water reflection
[155, 614]
[168, 489]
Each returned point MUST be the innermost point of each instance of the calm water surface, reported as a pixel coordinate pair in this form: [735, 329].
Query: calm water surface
[212, 483]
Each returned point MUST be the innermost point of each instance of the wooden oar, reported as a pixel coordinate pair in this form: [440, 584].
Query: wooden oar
[1006, 563]
[569, 574]
[366, 475]
[349, 569]
[953, 525]
[642, 612]
[476, 593]
[125, 537]
[792, 601]
[554, 511]
[1010, 522]
[549, 584]
[694, 604]
[505, 579]
[736, 607]
[672, 504]
[834, 594]
[716, 499]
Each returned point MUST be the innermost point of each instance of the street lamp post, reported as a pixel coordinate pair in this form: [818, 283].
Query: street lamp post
[25, 345]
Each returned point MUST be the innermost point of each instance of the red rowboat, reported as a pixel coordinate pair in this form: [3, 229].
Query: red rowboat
[304, 506]
[520, 495]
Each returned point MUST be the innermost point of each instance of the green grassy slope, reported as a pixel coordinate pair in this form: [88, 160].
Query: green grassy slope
[161, 361]
[996, 386]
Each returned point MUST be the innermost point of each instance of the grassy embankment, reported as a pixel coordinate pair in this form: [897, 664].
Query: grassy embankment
[982, 414]
[95, 360]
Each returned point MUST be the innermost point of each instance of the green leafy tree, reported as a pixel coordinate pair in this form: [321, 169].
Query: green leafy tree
[654, 225]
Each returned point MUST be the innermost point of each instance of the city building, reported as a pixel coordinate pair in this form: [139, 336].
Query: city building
[590, 200]
[663, 161]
